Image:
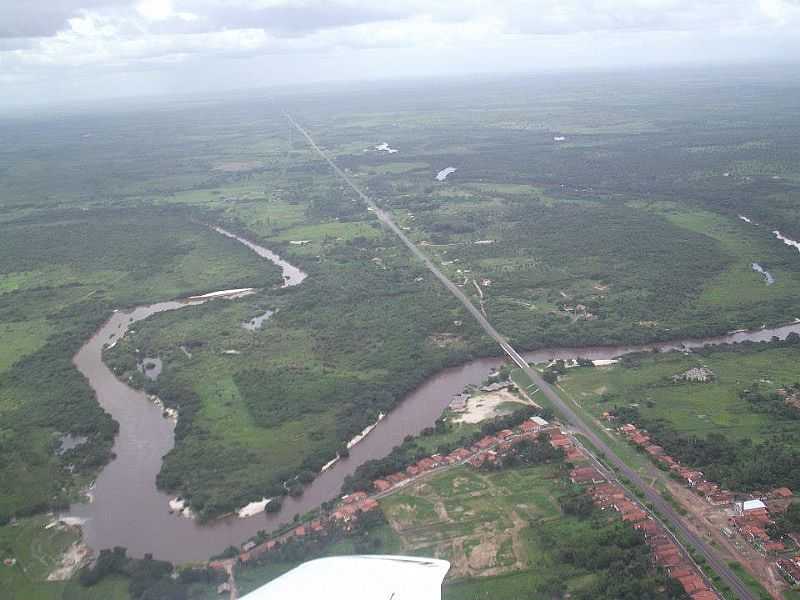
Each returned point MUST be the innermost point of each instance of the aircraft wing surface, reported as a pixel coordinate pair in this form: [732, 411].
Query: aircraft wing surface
[358, 578]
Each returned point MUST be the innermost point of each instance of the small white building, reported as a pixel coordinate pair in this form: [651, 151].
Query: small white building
[539, 421]
[748, 506]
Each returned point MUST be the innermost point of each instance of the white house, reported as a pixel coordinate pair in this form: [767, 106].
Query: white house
[742, 508]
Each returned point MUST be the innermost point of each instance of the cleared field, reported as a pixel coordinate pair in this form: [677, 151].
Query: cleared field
[472, 519]
[692, 408]
[506, 537]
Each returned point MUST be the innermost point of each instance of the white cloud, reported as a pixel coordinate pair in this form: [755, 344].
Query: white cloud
[162, 10]
[69, 37]
[783, 12]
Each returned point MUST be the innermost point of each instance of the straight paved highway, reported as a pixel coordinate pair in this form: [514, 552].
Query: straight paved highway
[662, 506]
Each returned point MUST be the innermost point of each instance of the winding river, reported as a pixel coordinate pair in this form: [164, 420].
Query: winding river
[127, 509]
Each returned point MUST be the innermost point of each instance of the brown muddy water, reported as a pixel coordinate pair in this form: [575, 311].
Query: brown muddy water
[127, 510]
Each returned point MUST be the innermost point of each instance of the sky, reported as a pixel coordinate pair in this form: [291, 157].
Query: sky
[62, 51]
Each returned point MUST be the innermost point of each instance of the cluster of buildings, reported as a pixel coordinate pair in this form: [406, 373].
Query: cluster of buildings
[790, 569]
[344, 516]
[460, 401]
[486, 450]
[751, 519]
[346, 513]
[750, 516]
[663, 549]
[711, 491]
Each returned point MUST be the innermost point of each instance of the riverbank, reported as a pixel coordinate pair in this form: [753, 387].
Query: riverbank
[131, 512]
[180, 540]
[124, 507]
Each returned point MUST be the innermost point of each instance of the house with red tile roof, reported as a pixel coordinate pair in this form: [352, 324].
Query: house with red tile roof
[603, 502]
[668, 559]
[704, 595]
[504, 446]
[666, 459]
[583, 475]
[692, 583]
[624, 505]
[486, 442]
[634, 516]
[721, 498]
[477, 460]
[412, 470]
[381, 485]
[459, 454]
[396, 478]
[649, 527]
[770, 547]
[681, 570]
[790, 570]
[299, 531]
[754, 534]
[345, 512]
[559, 440]
[427, 464]
[706, 488]
[354, 497]
[368, 505]
[692, 477]
[316, 526]
[663, 543]
[574, 454]
[781, 492]
[607, 489]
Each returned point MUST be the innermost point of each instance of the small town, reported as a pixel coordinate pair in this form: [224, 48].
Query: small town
[605, 492]
[748, 516]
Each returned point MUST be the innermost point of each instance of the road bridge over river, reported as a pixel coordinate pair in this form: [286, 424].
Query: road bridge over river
[652, 495]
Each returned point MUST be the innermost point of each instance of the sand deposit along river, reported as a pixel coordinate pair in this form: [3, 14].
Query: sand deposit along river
[127, 509]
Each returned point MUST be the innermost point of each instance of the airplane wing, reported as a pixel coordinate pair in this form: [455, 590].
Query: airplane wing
[359, 578]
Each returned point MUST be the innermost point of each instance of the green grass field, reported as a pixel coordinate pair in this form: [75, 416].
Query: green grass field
[693, 408]
[739, 285]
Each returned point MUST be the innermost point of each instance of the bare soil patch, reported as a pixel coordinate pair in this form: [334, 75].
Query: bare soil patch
[480, 408]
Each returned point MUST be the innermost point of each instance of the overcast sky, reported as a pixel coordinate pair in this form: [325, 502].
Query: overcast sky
[67, 50]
